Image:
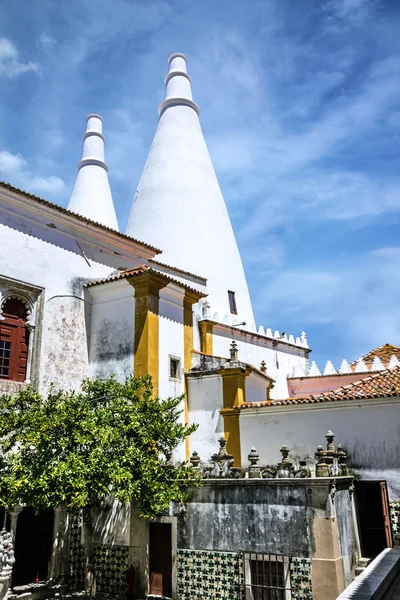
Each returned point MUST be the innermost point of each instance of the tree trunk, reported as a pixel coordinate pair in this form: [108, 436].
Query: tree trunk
[89, 550]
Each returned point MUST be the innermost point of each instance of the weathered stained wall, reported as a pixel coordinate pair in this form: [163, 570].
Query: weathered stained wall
[236, 515]
[367, 429]
[112, 324]
[205, 400]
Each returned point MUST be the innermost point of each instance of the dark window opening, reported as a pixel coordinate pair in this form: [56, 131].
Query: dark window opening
[232, 302]
[174, 368]
[267, 577]
[14, 340]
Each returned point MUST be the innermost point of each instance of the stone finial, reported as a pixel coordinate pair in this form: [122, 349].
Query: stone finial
[393, 362]
[269, 333]
[377, 364]
[254, 468]
[261, 330]
[298, 341]
[361, 367]
[205, 310]
[263, 366]
[285, 453]
[291, 339]
[314, 370]
[329, 438]
[329, 368]
[195, 459]
[253, 457]
[168, 458]
[233, 350]
[345, 367]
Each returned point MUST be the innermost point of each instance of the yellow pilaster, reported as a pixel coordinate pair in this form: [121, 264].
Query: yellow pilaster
[189, 299]
[147, 301]
[206, 337]
[234, 394]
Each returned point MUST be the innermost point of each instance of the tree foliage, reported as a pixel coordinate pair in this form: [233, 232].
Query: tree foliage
[76, 448]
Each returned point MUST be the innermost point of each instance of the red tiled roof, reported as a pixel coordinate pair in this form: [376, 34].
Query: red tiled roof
[384, 384]
[384, 352]
[140, 271]
[65, 211]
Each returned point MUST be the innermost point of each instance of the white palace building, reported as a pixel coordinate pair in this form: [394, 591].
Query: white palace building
[79, 298]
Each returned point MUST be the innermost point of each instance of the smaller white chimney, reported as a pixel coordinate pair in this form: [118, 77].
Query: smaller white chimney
[91, 196]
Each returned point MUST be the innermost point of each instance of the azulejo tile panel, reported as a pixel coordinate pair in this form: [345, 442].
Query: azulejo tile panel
[300, 576]
[111, 564]
[395, 518]
[208, 575]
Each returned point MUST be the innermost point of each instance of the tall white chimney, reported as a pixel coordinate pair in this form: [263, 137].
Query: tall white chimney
[179, 207]
[91, 196]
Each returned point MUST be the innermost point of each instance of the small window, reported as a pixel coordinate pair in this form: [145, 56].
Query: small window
[232, 302]
[174, 364]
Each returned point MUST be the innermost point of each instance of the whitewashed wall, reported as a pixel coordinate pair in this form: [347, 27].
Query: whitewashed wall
[252, 349]
[205, 399]
[256, 388]
[367, 429]
[44, 257]
[112, 329]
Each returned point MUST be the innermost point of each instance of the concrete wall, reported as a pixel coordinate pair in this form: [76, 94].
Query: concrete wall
[112, 329]
[171, 341]
[367, 429]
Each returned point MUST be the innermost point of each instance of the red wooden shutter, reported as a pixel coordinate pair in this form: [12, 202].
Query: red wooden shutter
[14, 340]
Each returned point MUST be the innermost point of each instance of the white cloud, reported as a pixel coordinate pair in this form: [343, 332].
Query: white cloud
[13, 169]
[10, 63]
[47, 41]
[357, 297]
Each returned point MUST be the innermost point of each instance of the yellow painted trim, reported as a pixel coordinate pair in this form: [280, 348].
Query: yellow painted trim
[188, 301]
[232, 434]
[147, 303]
[234, 394]
[206, 337]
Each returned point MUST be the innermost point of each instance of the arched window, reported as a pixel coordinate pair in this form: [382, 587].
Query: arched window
[14, 340]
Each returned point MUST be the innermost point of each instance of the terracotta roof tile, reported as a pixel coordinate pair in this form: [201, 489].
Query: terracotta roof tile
[384, 352]
[384, 384]
[65, 211]
[140, 271]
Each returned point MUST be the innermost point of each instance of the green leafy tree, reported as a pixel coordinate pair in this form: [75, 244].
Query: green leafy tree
[75, 449]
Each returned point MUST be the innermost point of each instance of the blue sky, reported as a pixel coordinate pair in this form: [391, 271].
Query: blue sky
[301, 112]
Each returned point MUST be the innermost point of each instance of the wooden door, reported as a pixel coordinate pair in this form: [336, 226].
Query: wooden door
[386, 515]
[373, 517]
[160, 559]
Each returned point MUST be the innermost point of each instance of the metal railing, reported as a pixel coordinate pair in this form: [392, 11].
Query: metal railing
[266, 577]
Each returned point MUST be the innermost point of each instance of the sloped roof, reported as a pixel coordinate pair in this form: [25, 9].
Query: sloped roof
[384, 352]
[384, 384]
[65, 211]
[141, 271]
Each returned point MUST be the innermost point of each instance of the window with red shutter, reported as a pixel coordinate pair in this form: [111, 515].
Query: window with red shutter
[14, 340]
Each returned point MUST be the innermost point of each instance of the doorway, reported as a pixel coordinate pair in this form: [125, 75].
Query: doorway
[33, 546]
[161, 560]
[373, 517]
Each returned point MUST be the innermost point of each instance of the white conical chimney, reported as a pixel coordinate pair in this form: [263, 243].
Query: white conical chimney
[179, 206]
[91, 196]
